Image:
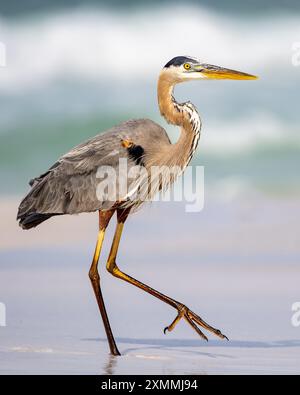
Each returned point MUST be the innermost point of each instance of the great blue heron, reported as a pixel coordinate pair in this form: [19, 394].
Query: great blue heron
[70, 185]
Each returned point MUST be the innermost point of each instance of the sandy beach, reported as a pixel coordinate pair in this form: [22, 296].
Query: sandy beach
[236, 264]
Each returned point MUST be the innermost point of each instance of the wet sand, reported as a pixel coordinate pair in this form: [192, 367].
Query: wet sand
[236, 264]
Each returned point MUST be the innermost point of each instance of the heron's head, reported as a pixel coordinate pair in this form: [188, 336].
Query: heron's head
[183, 68]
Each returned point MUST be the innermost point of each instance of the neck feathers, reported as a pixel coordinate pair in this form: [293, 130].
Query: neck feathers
[184, 115]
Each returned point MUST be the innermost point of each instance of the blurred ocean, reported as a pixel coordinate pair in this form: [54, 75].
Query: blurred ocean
[73, 71]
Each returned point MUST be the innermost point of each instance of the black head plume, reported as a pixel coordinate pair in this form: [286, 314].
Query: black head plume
[179, 60]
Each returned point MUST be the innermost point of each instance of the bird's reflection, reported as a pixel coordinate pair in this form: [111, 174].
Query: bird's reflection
[110, 366]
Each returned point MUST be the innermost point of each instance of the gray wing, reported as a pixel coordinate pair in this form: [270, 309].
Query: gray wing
[70, 185]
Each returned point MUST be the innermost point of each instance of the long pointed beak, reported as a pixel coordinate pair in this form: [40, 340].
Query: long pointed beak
[216, 72]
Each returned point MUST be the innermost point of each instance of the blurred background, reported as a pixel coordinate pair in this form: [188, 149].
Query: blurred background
[74, 69]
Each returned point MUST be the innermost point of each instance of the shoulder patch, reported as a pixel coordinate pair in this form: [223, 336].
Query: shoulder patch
[127, 143]
[135, 152]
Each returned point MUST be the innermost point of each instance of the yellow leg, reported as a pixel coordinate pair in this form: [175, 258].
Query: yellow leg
[183, 311]
[95, 280]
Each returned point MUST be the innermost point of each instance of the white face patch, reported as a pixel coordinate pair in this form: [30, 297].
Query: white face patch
[192, 75]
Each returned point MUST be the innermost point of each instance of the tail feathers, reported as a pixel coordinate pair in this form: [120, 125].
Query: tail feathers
[29, 214]
[31, 220]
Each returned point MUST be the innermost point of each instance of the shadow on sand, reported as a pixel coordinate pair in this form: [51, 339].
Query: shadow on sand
[169, 343]
[172, 344]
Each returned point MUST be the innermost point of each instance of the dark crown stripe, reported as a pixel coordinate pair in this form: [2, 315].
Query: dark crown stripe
[179, 60]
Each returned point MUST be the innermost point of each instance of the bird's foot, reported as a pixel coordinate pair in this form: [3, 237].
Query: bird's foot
[193, 319]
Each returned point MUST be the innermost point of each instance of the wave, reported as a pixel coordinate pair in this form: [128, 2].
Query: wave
[73, 73]
[251, 133]
[100, 44]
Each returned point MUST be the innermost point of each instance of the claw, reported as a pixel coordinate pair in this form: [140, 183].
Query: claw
[193, 319]
[220, 334]
[202, 323]
[175, 321]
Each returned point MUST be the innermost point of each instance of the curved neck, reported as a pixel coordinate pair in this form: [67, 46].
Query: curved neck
[168, 106]
[184, 115]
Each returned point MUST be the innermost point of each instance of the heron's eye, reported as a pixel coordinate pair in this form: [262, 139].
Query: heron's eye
[187, 66]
